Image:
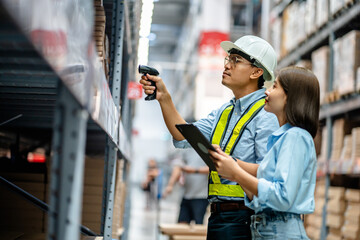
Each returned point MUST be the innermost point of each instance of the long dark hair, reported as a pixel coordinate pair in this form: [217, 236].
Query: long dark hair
[303, 93]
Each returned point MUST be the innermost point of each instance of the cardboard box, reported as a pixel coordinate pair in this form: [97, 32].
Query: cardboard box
[293, 30]
[346, 62]
[351, 232]
[336, 206]
[320, 67]
[320, 190]
[305, 64]
[355, 133]
[310, 17]
[335, 220]
[313, 232]
[357, 84]
[351, 53]
[337, 139]
[337, 193]
[336, 6]
[275, 36]
[352, 195]
[319, 205]
[352, 220]
[332, 236]
[352, 209]
[183, 229]
[314, 220]
[321, 12]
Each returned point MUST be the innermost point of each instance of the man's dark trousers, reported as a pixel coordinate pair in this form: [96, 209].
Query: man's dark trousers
[229, 225]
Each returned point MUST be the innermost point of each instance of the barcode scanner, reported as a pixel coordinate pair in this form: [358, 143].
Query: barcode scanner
[151, 71]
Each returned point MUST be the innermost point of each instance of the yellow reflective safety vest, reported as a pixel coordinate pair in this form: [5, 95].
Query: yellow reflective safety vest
[217, 187]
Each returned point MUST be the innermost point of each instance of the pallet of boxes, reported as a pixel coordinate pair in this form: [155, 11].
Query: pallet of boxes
[93, 196]
[335, 212]
[346, 64]
[100, 38]
[351, 227]
[313, 222]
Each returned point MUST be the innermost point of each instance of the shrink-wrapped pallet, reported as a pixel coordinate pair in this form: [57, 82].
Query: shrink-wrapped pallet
[310, 17]
[321, 12]
[346, 62]
[275, 35]
[320, 67]
[337, 139]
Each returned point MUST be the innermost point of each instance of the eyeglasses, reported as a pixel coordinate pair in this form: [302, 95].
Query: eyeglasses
[233, 60]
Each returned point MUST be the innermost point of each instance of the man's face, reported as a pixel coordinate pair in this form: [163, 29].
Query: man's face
[237, 72]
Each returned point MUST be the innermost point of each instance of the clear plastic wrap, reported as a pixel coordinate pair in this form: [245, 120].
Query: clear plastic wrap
[62, 32]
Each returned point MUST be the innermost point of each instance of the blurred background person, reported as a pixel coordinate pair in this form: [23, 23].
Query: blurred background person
[149, 185]
[191, 172]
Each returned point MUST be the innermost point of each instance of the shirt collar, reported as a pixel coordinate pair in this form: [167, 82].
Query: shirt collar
[249, 99]
[277, 134]
[282, 130]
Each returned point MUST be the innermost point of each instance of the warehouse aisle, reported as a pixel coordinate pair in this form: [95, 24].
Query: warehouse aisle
[143, 224]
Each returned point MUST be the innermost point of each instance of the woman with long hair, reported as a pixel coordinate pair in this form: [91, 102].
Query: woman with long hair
[282, 187]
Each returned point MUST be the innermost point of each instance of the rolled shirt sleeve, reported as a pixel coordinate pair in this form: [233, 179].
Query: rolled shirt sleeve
[205, 126]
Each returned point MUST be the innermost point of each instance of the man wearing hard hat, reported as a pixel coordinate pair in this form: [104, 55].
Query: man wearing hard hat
[240, 127]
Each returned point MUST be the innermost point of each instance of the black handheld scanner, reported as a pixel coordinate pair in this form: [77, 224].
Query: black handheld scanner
[151, 71]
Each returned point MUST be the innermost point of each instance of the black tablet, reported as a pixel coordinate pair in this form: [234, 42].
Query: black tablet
[198, 141]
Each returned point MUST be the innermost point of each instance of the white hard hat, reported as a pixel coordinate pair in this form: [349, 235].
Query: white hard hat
[258, 50]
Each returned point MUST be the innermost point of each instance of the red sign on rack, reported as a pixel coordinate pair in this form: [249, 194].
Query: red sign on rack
[134, 90]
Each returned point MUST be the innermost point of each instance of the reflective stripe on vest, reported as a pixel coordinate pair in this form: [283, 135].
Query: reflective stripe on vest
[216, 187]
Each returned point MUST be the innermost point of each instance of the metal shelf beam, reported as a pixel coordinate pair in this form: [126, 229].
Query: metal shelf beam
[340, 107]
[111, 151]
[67, 167]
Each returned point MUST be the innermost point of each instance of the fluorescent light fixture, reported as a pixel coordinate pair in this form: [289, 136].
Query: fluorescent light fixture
[145, 26]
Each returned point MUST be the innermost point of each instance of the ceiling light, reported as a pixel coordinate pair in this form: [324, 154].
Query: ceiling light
[145, 26]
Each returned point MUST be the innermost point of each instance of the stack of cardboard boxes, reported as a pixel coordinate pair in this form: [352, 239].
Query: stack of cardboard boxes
[346, 63]
[93, 192]
[335, 212]
[355, 133]
[93, 196]
[337, 139]
[101, 39]
[336, 5]
[351, 227]
[313, 221]
[119, 202]
[320, 63]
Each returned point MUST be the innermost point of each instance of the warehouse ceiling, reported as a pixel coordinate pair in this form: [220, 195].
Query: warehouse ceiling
[167, 22]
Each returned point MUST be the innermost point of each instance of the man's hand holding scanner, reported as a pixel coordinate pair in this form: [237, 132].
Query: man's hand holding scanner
[158, 86]
[151, 71]
[170, 114]
[225, 164]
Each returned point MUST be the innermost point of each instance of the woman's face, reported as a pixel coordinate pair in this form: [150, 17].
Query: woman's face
[275, 99]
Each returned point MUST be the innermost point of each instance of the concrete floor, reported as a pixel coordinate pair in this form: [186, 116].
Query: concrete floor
[144, 220]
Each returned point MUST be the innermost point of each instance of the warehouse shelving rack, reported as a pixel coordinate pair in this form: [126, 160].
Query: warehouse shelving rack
[338, 25]
[38, 100]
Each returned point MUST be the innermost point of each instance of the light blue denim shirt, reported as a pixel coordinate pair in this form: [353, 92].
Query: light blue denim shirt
[287, 174]
[252, 144]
